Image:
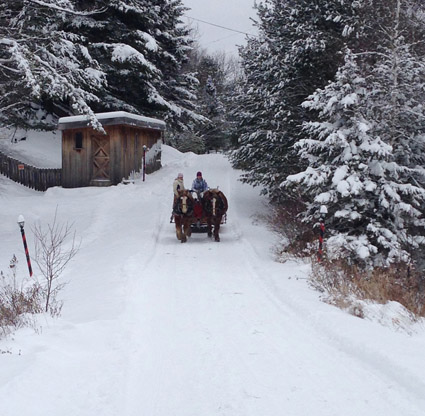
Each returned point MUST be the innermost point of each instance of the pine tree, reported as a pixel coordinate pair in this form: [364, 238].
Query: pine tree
[76, 57]
[366, 154]
[142, 46]
[296, 52]
[211, 75]
[254, 128]
[214, 75]
[43, 69]
[178, 84]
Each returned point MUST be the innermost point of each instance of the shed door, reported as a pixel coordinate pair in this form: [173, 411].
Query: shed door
[101, 152]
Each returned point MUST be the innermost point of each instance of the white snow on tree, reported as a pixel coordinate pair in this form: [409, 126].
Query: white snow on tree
[360, 167]
[75, 57]
[295, 53]
[42, 63]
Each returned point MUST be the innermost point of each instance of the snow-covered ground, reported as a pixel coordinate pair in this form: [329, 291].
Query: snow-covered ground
[37, 148]
[153, 327]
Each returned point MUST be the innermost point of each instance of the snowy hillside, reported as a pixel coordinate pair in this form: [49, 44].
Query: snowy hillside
[153, 327]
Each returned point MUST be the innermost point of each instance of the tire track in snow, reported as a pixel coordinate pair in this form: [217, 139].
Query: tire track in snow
[374, 360]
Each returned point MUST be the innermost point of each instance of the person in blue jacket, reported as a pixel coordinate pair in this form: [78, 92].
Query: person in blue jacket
[199, 185]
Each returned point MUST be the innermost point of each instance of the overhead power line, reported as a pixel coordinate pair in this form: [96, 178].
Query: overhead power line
[222, 27]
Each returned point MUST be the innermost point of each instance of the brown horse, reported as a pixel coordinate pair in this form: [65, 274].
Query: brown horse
[215, 206]
[183, 214]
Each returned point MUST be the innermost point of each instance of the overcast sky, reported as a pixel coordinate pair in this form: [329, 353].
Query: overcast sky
[233, 14]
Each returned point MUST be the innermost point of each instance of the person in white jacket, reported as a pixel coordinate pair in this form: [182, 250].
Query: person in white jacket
[178, 184]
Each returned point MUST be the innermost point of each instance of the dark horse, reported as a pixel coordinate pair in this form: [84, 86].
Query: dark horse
[215, 206]
[183, 214]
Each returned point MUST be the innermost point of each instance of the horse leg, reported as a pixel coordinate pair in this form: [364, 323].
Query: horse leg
[217, 221]
[177, 220]
[209, 226]
[188, 227]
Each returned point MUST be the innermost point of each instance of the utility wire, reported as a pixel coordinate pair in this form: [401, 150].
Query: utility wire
[220, 39]
[222, 27]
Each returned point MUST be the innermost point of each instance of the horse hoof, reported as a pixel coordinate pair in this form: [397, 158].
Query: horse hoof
[217, 239]
[209, 234]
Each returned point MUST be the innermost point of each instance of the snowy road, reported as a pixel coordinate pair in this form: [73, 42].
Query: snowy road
[153, 327]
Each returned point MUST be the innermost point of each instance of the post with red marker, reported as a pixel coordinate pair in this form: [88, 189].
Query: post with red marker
[144, 161]
[323, 212]
[21, 222]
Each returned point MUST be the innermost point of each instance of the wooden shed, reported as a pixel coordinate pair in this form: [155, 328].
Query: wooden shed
[91, 158]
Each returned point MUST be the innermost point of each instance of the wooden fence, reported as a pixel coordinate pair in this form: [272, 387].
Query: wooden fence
[35, 178]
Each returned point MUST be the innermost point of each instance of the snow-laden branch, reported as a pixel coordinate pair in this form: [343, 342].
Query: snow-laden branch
[8, 68]
[63, 9]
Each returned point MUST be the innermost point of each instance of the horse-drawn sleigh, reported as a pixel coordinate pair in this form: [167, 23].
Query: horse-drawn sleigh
[199, 213]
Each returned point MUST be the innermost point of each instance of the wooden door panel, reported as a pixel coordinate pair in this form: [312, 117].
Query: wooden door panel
[101, 157]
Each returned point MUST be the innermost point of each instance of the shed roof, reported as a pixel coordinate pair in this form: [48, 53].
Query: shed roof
[111, 118]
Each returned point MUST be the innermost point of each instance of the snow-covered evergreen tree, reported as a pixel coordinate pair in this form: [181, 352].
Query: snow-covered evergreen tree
[142, 46]
[43, 68]
[75, 57]
[296, 52]
[211, 76]
[117, 38]
[254, 127]
[178, 84]
[215, 74]
[367, 148]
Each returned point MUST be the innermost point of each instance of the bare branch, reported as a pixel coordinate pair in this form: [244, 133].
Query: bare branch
[50, 256]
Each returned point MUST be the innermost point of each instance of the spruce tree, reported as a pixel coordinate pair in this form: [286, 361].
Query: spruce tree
[366, 151]
[296, 52]
[75, 57]
[211, 75]
[142, 46]
[177, 83]
[43, 69]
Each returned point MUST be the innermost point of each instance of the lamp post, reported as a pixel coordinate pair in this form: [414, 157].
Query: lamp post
[21, 222]
[323, 211]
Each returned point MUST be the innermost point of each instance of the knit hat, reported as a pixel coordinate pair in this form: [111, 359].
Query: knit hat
[199, 174]
[180, 175]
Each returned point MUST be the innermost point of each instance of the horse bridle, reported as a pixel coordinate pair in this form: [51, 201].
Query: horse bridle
[185, 207]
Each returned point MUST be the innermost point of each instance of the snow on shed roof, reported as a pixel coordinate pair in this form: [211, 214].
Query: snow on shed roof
[111, 118]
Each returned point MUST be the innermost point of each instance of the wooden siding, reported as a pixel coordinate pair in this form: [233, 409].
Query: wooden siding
[76, 166]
